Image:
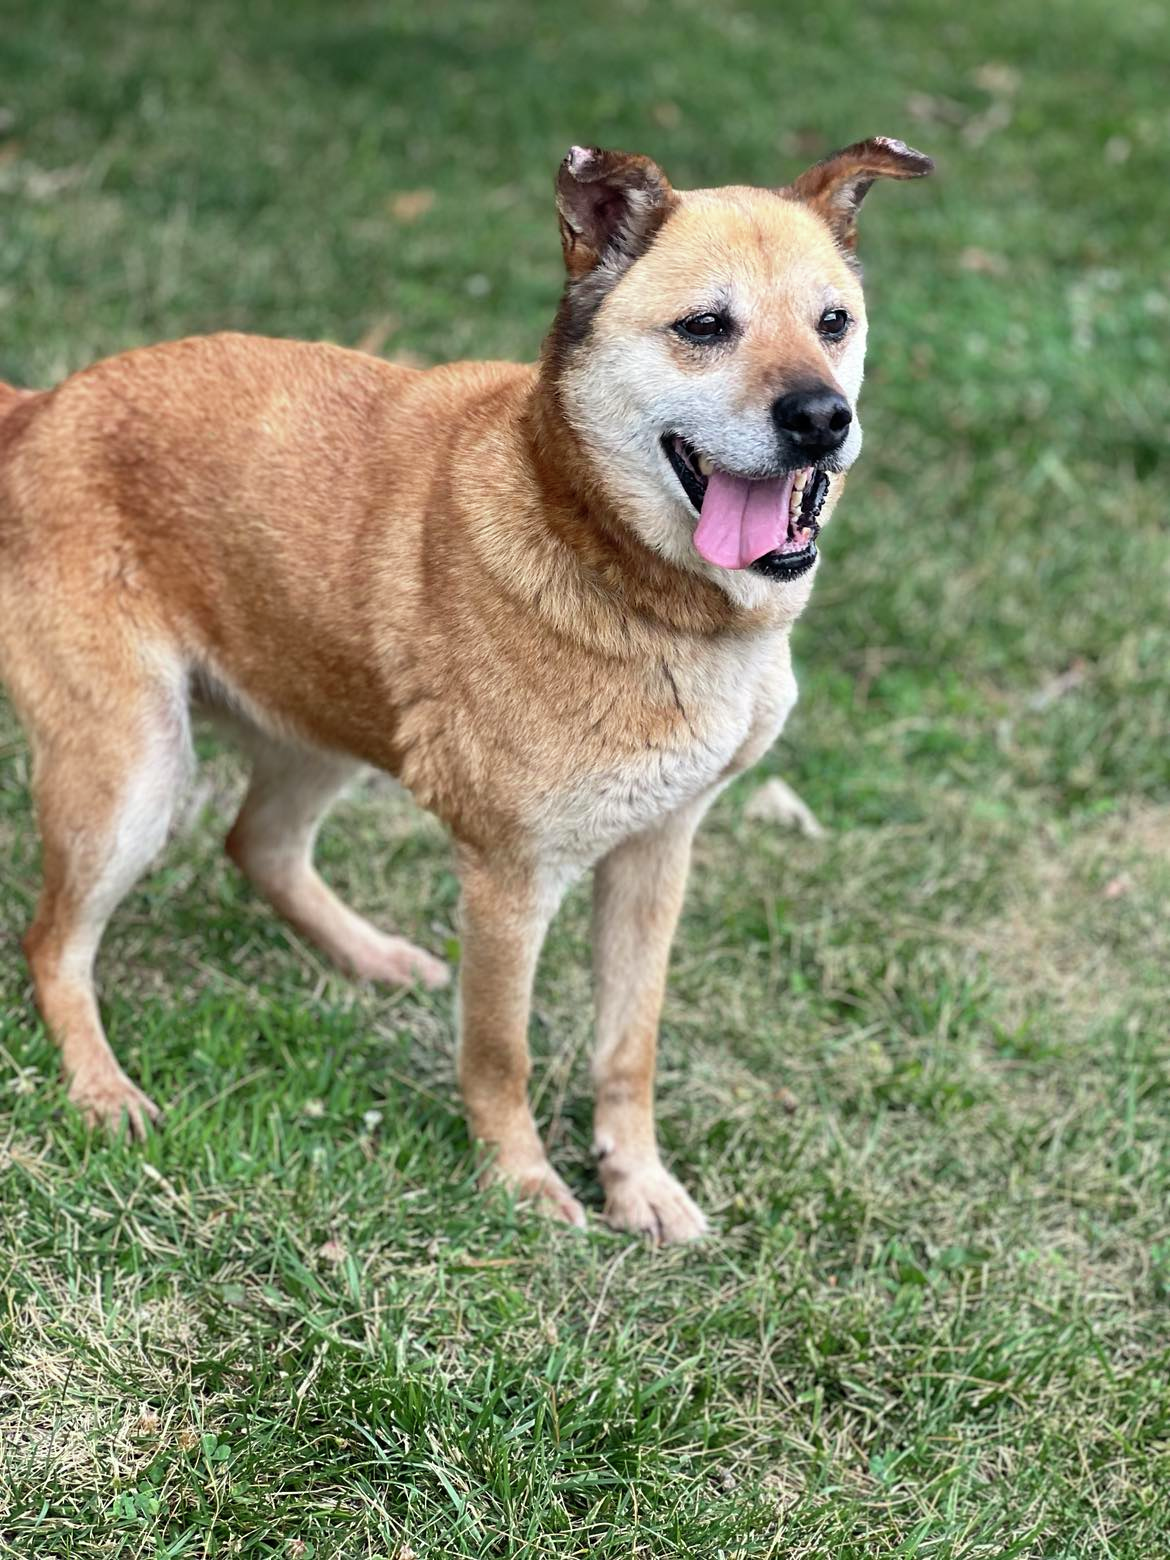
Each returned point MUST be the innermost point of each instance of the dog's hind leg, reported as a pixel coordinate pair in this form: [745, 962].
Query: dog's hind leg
[272, 843]
[110, 760]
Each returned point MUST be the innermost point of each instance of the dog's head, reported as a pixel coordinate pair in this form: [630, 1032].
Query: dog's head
[709, 352]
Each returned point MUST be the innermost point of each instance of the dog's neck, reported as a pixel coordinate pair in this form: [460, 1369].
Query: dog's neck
[615, 569]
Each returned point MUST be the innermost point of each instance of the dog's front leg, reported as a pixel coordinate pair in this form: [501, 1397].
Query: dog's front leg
[638, 893]
[506, 913]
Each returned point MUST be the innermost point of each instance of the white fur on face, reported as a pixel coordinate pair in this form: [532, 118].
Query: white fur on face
[621, 415]
[627, 387]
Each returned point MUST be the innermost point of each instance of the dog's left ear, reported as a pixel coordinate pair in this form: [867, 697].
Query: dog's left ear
[610, 205]
[836, 186]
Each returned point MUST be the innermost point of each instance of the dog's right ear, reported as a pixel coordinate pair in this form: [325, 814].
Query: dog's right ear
[610, 205]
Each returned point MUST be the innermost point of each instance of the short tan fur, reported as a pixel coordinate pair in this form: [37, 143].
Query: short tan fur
[480, 578]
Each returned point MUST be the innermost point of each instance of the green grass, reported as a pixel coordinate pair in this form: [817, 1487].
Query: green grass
[933, 1321]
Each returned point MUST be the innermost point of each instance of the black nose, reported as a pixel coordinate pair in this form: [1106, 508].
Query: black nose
[815, 420]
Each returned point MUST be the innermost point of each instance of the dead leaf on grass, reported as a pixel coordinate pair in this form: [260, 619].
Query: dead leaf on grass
[409, 205]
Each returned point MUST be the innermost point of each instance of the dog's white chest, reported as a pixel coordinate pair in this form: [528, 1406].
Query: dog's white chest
[731, 707]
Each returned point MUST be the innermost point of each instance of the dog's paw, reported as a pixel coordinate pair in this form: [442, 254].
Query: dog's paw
[647, 1200]
[536, 1182]
[106, 1098]
[399, 963]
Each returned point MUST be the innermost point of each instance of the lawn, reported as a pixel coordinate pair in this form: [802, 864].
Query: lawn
[917, 1071]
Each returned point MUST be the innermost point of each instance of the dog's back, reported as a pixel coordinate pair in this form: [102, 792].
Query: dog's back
[16, 409]
[210, 497]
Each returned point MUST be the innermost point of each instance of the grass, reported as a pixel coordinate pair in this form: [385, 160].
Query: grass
[933, 1322]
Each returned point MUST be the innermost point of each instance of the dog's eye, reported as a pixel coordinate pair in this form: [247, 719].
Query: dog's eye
[833, 322]
[704, 327]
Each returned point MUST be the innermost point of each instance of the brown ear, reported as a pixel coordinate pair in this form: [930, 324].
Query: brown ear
[610, 204]
[836, 186]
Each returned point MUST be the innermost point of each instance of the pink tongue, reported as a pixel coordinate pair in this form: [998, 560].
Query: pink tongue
[742, 520]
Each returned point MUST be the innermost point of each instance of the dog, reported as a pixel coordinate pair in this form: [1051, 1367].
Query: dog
[553, 600]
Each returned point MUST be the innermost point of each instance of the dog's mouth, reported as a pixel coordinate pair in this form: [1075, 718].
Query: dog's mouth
[769, 525]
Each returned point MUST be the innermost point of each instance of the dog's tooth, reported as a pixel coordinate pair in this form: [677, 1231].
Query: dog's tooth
[704, 465]
[801, 479]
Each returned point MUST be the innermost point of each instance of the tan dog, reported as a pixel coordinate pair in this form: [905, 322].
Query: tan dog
[553, 600]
